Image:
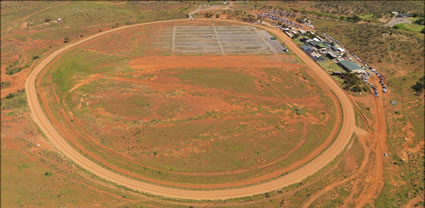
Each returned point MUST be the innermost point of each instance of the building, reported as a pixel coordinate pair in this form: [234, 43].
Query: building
[341, 50]
[332, 55]
[350, 66]
[289, 34]
[404, 15]
[307, 49]
[336, 73]
[304, 39]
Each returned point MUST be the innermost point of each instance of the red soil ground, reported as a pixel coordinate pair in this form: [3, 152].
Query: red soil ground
[154, 63]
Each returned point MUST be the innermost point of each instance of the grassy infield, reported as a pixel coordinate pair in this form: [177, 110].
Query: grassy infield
[60, 77]
[84, 61]
[45, 174]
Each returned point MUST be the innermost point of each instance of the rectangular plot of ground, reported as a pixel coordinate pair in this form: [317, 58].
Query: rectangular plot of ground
[223, 40]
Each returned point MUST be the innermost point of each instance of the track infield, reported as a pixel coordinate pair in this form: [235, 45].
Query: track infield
[146, 79]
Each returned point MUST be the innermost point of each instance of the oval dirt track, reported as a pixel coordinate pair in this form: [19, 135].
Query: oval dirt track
[296, 176]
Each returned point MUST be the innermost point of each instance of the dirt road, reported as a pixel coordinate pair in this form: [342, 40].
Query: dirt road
[347, 129]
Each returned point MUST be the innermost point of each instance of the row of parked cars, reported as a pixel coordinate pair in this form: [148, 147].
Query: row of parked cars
[381, 80]
[280, 17]
[365, 77]
[375, 91]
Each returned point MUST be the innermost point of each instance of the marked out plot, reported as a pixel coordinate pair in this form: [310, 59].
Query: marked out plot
[222, 40]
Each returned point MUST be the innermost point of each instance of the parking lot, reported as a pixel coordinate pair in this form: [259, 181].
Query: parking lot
[224, 40]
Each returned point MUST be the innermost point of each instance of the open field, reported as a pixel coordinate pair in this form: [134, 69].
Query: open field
[324, 158]
[30, 29]
[410, 27]
[125, 109]
[162, 133]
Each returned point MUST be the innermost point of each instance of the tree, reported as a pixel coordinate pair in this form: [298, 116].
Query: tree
[356, 89]
[420, 21]
[420, 85]
[353, 18]
[351, 82]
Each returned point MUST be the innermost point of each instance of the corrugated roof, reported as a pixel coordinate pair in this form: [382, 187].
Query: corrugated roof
[349, 65]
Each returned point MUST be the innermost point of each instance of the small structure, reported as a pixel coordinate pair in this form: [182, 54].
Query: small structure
[321, 45]
[304, 39]
[331, 55]
[336, 73]
[289, 34]
[404, 15]
[59, 19]
[341, 50]
[350, 66]
[307, 49]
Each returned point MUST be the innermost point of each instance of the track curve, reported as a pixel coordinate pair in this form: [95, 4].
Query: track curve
[296, 176]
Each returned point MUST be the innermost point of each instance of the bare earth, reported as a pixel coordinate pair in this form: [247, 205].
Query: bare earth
[347, 129]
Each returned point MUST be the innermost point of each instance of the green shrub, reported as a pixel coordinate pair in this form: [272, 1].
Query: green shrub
[356, 89]
[13, 70]
[14, 100]
[420, 85]
[5, 84]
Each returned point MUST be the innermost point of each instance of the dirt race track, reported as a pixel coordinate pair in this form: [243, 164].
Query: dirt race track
[343, 138]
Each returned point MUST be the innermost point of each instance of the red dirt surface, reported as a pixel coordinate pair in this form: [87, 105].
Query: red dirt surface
[293, 177]
[273, 61]
[170, 62]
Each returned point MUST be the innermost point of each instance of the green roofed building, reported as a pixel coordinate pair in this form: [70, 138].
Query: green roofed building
[350, 66]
